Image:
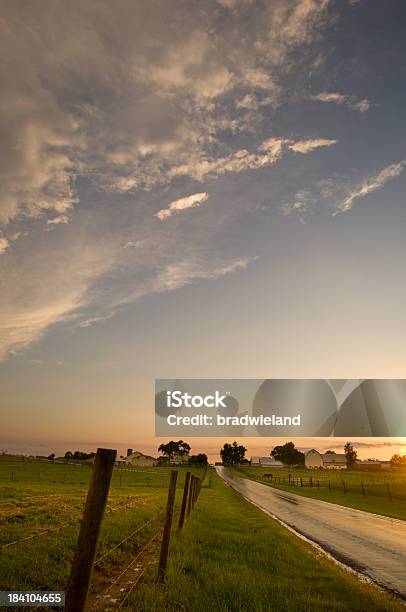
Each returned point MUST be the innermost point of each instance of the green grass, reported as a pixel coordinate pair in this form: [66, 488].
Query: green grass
[30, 506]
[376, 500]
[230, 556]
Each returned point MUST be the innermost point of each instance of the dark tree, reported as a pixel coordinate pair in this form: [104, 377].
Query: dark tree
[398, 460]
[174, 448]
[288, 454]
[200, 459]
[232, 454]
[351, 454]
[51, 457]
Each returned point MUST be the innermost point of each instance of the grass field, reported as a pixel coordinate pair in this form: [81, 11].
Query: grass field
[229, 556]
[378, 492]
[39, 521]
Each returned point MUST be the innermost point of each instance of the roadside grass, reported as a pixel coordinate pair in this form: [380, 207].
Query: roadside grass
[232, 557]
[375, 503]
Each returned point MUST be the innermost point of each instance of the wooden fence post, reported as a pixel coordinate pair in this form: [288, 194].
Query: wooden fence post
[189, 501]
[389, 495]
[363, 489]
[345, 490]
[163, 559]
[184, 501]
[82, 566]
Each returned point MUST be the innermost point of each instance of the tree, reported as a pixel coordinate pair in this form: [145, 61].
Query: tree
[232, 454]
[288, 454]
[68, 456]
[398, 461]
[351, 455]
[200, 459]
[174, 448]
[51, 457]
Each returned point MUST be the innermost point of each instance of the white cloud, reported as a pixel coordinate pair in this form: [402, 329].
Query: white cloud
[4, 244]
[307, 146]
[339, 194]
[369, 185]
[361, 106]
[58, 220]
[192, 201]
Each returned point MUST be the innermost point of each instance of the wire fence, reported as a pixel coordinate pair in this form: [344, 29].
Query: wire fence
[391, 489]
[146, 543]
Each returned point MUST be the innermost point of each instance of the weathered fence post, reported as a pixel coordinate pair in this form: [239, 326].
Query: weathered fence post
[389, 494]
[189, 501]
[184, 501]
[301, 482]
[163, 559]
[79, 581]
[345, 490]
[329, 485]
[363, 489]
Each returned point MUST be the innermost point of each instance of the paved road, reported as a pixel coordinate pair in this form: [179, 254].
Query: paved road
[374, 545]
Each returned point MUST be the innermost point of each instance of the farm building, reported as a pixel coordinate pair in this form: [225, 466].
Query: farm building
[313, 459]
[266, 462]
[334, 461]
[178, 459]
[328, 461]
[140, 460]
[372, 464]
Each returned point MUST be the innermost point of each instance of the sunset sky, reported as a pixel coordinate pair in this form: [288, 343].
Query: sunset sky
[195, 189]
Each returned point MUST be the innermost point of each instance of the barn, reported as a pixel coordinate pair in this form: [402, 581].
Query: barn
[140, 460]
[334, 461]
[313, 459]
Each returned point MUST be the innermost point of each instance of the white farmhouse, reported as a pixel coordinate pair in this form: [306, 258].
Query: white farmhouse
[140, 460]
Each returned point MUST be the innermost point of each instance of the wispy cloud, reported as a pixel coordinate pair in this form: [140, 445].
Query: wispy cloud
[371, 184]
[192, 201]
[4, 244]
[362, 106]
[338, 195]
[58, 220]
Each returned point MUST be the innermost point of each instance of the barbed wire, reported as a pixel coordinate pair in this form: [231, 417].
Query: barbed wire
[133, 533]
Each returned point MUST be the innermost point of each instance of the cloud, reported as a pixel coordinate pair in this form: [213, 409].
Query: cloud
[102, 112]
[4, 244]
[192, 201]
[370, 185]
[339, 194]
[362, 106]
[58, 220]
[307, 146]
[268, 153]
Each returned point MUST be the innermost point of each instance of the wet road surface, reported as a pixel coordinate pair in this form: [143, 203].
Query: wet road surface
[371, 544]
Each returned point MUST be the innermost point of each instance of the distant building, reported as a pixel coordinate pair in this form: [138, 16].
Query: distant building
[178, 459]
[313, 459]
[327, 461]
[140, 460]
[334, 461]
[266, 462]
[372, 464]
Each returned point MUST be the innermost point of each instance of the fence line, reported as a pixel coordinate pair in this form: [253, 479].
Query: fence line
[384, 488]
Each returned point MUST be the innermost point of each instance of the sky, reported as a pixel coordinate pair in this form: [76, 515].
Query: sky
[195, 189]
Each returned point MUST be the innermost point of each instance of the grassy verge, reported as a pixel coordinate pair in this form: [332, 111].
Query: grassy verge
[231, 556]
[372, 503]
